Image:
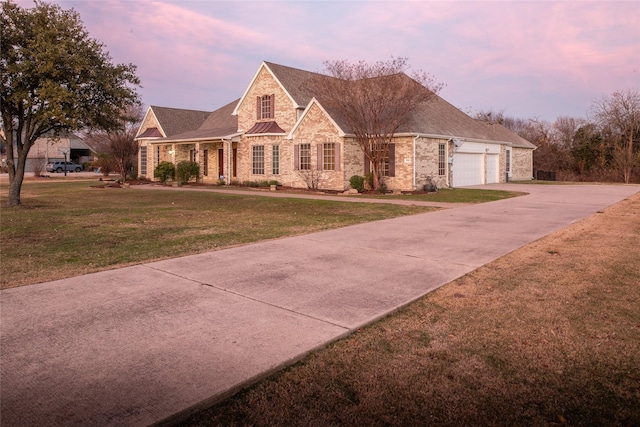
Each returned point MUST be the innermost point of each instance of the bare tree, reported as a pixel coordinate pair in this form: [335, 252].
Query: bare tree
[120, 144]
[373, 100]
[618, 116]
[565, 128]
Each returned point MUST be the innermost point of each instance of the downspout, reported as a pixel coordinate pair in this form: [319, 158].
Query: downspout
[415, 138]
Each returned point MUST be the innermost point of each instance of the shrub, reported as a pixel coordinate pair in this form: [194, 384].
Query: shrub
[105, 163]
[357, 183]
[164, 171]
[38, 167]
[368, 177]
[274, 182]
[187, 170]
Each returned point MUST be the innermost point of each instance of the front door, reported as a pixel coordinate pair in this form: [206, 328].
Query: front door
[220, 162]
[205, 163]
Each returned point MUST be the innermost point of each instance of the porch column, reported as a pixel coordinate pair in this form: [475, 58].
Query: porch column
[197, 159]
[228, 175]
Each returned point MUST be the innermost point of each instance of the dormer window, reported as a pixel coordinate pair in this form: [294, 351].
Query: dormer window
[265, 107]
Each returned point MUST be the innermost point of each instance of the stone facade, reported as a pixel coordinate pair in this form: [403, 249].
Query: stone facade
[522, 164]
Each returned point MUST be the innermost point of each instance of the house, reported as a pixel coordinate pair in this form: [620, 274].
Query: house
[279, 130]
[49, 148]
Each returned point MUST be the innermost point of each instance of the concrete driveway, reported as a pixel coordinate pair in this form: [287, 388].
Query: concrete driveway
[145, 344]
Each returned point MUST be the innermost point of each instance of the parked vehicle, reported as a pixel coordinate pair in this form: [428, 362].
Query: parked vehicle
[60, 166]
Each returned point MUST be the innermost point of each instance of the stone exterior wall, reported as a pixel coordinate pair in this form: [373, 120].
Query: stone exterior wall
[522, 164]
[285, 113]
[427, 162]
[353, 159]
[150, 121]
[245, 160]
[502, 172]
[316, 129]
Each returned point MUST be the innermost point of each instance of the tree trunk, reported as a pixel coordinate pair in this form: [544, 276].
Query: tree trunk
[14, 189]
[16, 172]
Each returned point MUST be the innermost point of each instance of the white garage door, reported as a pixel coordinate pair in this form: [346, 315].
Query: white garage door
[492, 168]
[467, 169]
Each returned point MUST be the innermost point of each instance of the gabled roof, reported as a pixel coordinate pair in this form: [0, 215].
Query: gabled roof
[295, 82]
[434, 117]
[218, 124]
[331, 118]
[177, 120]
[438, 117]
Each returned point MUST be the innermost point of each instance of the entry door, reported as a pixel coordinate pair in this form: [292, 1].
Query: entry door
[492, 168]
[205, 162]
[220, 162]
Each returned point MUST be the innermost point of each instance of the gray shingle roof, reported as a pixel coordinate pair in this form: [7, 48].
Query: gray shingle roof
[177, 120]
[296, 82]
[219, 123]
[434, 117]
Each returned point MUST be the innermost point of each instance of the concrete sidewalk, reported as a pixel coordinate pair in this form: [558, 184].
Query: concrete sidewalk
[145, 344]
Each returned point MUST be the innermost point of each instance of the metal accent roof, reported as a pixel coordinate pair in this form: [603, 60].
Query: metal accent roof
[265, 127]
[151, 133]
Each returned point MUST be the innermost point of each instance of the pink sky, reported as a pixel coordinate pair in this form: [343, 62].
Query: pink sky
[528, 59]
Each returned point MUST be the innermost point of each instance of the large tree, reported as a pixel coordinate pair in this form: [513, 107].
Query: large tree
[374, 100]
[618, 117]
[55, 78]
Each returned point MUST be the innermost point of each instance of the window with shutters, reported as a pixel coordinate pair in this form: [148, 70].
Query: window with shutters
[257, 163]
[382, 152]
[329, 156]
[275, 160]
[388, 161]
[143, 161]
[266, 107]
[304, 163]
[442, 159]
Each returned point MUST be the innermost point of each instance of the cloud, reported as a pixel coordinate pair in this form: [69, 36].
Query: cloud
[532, 58]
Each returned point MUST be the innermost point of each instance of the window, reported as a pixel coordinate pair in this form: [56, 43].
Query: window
[304, 163]
[157, 154]
[205, 163]
[265, 107]
[143, 161]
[192, 155]
[329, 156]
[275, 159]
[384, 160]
[442, 162]
[257, 164]
[508, 162]
[387, 163]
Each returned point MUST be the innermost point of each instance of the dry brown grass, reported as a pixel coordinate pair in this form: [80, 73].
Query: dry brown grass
[547, 335]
